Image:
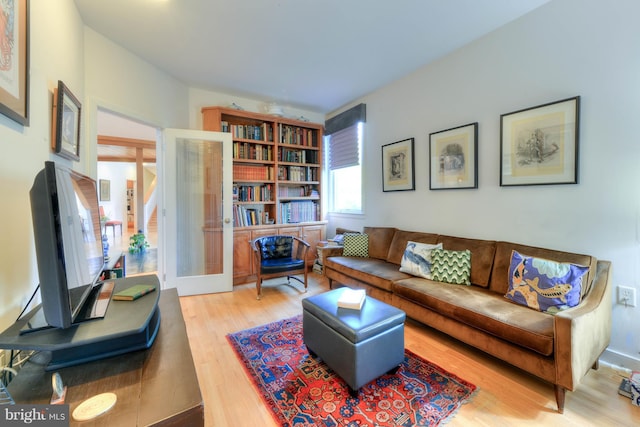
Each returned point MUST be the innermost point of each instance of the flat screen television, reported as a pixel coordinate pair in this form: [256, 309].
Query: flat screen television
[68, 242]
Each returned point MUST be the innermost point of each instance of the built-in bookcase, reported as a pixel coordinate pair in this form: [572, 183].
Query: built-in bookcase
[276, 166]
[277, 169]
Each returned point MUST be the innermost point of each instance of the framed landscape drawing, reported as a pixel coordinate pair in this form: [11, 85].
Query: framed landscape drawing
[453, 156]
[14, 61]
[539, 145]
[65, 138]
[397, 166]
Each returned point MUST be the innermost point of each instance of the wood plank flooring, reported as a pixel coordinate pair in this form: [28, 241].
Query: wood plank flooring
[507, 396]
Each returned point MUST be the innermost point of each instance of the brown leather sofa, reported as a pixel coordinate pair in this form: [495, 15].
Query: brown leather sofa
[558, 348]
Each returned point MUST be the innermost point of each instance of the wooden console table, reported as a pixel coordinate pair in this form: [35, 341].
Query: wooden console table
[155, 387]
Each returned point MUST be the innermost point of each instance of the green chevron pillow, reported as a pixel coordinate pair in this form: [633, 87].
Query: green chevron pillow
[451, 266]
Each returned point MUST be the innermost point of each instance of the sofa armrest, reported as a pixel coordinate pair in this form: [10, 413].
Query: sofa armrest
[583, 332]
[328, 251]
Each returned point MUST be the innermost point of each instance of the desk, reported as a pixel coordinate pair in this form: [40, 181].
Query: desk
[157, 386]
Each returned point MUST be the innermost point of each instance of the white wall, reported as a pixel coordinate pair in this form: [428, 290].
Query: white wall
[199, 98]
[56, 53]
[565, 48]
[99, 73]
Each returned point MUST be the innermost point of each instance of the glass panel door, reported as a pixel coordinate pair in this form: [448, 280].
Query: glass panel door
[197, 211]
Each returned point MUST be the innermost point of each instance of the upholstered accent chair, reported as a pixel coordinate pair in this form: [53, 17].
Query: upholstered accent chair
[280, 256]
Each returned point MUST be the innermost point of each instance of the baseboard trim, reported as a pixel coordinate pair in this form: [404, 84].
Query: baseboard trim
[620, 361]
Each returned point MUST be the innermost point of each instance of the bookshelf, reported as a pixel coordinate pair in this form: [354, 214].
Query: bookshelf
[277, 170]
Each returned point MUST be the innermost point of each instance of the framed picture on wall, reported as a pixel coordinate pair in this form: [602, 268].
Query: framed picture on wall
[65, 138]
[453, 156]
[539, 145]
[14, 69]
[105, 190]
[397, 166]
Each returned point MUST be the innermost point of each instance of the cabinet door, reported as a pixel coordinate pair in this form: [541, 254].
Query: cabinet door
[260, 232]
[312, 234]
[242, 254]
[290, 231]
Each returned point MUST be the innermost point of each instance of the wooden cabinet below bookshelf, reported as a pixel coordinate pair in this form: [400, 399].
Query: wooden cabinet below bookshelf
[244, 268]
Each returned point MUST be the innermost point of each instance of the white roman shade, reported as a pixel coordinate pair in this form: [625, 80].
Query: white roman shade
[343, 148]
[343, 137]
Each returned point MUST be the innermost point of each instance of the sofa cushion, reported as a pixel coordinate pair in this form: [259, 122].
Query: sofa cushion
[399, 243]
[375, 272]
[417, 259]
[451, 266]
[543, 284]
[484, 310]
[500, 273]
[379, 241]
[356, 244]
[482, 254]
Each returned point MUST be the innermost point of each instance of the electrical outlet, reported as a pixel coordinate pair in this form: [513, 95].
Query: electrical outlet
[626, 296]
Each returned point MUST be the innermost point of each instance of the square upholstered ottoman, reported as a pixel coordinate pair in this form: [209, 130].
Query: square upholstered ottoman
[359, 345]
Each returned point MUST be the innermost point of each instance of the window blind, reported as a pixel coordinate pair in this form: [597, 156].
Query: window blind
[343, 137]
[343, 148]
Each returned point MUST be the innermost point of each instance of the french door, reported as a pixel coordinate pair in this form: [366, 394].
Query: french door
[197, 211]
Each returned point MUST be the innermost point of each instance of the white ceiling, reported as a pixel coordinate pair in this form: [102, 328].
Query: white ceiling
[312, 54]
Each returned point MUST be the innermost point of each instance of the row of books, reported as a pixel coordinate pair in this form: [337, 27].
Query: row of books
[253, 193]
[298, 211]
[296, 136]
[253, 173]
[297, 173]
[245, 217]
[298, 156]
[246, 150]
[301, 191]
[263, 132]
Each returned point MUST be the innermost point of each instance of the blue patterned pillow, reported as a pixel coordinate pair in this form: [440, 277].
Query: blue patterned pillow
[451, 266]
[417, 259]
[544, 285]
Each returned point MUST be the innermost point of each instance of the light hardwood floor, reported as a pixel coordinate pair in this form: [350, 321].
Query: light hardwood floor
[506, 396]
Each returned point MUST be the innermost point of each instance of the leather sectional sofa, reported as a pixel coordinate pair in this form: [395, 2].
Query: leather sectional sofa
[559, 348]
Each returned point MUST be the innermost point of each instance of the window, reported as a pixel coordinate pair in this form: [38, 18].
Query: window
[344, 170]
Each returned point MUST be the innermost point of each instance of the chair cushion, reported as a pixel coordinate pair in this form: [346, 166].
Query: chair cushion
[277, 265]
[274, 247]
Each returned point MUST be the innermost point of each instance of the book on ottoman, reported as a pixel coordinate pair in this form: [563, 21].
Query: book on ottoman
[352, 299]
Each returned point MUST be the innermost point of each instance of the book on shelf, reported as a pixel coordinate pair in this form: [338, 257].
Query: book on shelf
[352, 299]
[134, 292]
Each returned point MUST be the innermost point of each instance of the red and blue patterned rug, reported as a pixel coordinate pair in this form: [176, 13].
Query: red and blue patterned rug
[302, 391]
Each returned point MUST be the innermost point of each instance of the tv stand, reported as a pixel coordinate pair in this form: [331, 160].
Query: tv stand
[155, 387]
[95, 307]
[126, 326]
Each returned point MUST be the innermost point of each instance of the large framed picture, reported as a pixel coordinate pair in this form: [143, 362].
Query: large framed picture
[65, 138]
[453, 156]
[397, 166]
[539, 145]
[14, 61]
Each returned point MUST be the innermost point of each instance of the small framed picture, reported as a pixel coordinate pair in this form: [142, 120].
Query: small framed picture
[65, 138]
[539, 145]
[105, 190]
[453, 156]
[397, 166]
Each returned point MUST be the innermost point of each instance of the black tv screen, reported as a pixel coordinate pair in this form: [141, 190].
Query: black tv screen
[68, 241]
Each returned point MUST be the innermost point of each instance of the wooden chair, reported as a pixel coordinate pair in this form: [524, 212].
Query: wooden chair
[110, 223]
[279, 256]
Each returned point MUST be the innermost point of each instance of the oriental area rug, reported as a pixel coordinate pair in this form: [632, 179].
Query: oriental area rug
[303, 391]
